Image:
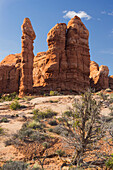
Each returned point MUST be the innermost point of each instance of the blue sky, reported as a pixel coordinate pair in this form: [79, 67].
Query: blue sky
[97, 15]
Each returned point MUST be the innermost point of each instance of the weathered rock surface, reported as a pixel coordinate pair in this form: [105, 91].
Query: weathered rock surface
[65, 65]
[28, 35]
[99, 76]
[10, 73]
[111, 82]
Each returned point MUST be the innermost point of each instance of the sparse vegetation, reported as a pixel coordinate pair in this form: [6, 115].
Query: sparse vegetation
[43, 114]
[15, 165]
[60, 152]
[1, 130]
[15, 105]
[53, 93]
[4, 119]
[9, 97]
[53, 122]
[109, 163]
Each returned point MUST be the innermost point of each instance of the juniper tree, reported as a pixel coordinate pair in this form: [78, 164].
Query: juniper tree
[84, 125]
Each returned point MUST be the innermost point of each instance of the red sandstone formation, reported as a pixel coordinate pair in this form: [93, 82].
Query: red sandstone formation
[10, 73]
[78, 57]
[99, 76]
[111, 82]
[28, 35]
[65, 66]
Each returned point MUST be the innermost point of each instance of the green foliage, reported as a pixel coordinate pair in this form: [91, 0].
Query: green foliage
[1, 130]
[53, 93]
[35, 125]
[9, 97]
[103, 96]
[43, 114]
[53, 122]
[45, 144]
[4, 119]
[15, 105]
[15, 165]
[109, 163]
[59, 129]
[53, 101]
[60, 153]
[68, 113]
[50, 130]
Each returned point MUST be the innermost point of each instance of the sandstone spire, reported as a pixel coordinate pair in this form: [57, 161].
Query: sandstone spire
[28, 35]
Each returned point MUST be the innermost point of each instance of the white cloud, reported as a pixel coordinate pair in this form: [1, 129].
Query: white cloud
[110, 13]
[64, 11]
[81, 14]
[103, 12]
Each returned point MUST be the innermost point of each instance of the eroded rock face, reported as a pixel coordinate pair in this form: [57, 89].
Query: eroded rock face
[111, 82]
[78, 57]
[65, 65]
[28, 35]
[10, 73]
[99, 76]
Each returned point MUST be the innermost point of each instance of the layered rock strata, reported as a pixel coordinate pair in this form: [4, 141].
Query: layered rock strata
[99, 76]
[65, 65]
[28, 35]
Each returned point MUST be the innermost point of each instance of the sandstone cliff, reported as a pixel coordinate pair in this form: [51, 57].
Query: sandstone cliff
[65, 65]
[99, 76]
[10, 73]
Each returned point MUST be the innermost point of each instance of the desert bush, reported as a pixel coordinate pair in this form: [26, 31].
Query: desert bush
[1, 130]
[50, 130]
[53, 93]
[53, 101]
[14, 105]
[35, 125]
[53, 122]
[59, 129]
[68, 113]
[9, 97]
[45, 144]
[15, 165]
[43, 114]
[109, 163]
[85, 126]
[4, 119]
[60, 152]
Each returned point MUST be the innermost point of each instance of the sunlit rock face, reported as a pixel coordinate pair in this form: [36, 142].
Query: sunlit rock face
[65, 65]
[99, 76]
[28, 35]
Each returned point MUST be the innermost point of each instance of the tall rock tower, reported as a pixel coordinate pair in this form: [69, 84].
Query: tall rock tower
[28, 35]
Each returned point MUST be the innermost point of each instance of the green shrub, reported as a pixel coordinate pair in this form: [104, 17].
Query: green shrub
[15, 165]
[53, 122]
[109, 163]
[9, 97]
[68, 113]
[35, 125]
[53, 101]
[1, 130]
[50, 130]
[59, 129]
[60, 152]
[44, 114]
[4, 119]
[45, 145]
[53, 93]
[14, 105]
